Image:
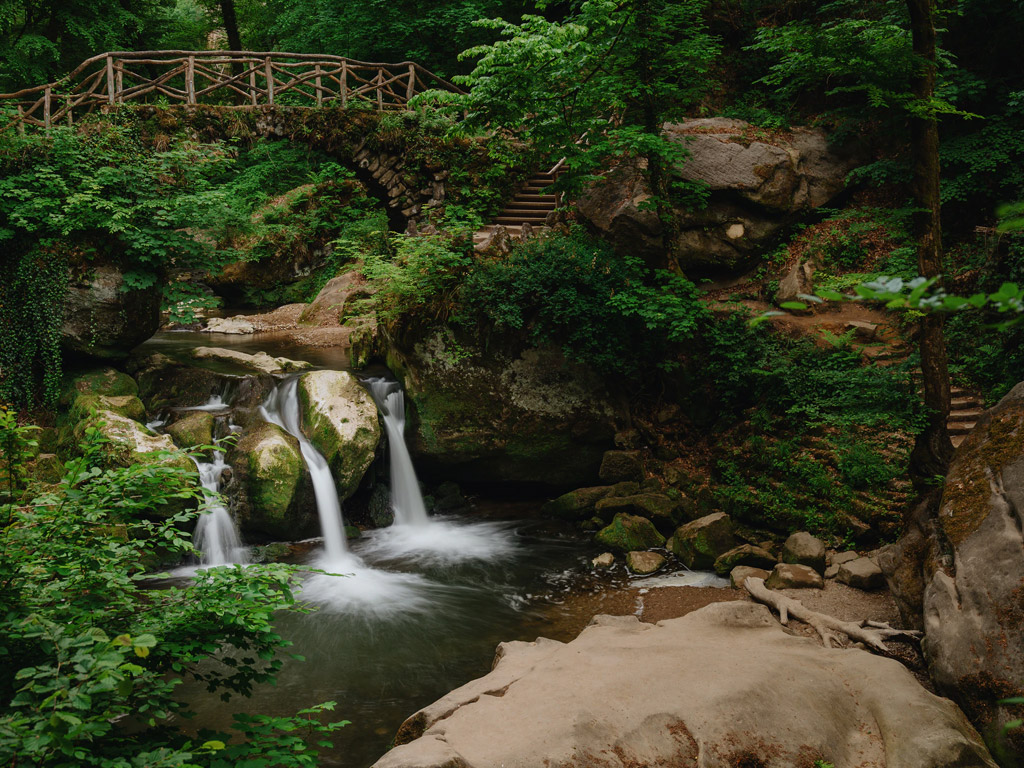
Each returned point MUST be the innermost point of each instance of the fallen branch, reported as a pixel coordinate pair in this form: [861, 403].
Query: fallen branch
[872, 633]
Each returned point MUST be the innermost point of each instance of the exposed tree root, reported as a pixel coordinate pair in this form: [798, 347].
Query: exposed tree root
[830, 629]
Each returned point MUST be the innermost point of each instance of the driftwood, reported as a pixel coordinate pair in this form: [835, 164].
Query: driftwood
[249, 77]
[872, 633]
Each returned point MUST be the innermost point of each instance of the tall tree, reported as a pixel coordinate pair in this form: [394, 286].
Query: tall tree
[933, 450]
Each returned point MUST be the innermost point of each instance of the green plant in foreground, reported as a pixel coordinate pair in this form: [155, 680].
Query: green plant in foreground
[92, 655]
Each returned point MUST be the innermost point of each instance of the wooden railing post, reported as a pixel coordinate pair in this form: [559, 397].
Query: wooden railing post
[319, 88]
[119, 80]
[270, 80]
[68, 107]
[21, 120]
[252, 83]
[46, 108]
[410, 89]
[190, 80]
[110, 80]
[380, 89]
[344, 83]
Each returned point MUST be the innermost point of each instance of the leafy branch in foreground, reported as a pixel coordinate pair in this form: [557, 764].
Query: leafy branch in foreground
[93, 654]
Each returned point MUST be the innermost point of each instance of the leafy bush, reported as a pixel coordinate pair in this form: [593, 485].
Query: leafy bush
[92, 655]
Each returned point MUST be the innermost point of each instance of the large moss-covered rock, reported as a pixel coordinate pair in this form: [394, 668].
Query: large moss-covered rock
[656, 507]
[101, 381]
[105, 319]
[700, 543]
[271, 491]
[576, 505]
[628, 533]
[340, 418]
[959, 572]
[194, 428]
[505, 414]
[127, 442]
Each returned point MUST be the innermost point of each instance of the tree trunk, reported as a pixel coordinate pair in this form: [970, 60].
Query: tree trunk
[933, 450]
[230, 18]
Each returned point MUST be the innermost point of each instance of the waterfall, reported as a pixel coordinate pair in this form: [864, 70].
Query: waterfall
[406, 499]
[282, 408]
[216, 537]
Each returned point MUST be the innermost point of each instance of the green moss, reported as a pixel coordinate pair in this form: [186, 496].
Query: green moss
[275, 469]
[628, 533]
[195, 428]
[104, 381]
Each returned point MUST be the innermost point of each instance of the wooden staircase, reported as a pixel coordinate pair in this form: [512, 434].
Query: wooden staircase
[531, 205]
[964, 410]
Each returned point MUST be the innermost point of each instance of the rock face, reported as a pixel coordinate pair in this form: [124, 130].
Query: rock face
[501, 415]
[722, 686]
[102, 320]
[339, 417]
[271, 492]
[758, 185]
[961, 568]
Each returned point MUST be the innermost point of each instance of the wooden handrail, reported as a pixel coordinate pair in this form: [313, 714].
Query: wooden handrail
[297, 79]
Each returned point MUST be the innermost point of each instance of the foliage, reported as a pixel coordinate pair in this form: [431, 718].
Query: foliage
[93, 654]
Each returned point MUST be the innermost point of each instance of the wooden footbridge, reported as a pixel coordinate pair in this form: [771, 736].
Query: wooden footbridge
[230, 79]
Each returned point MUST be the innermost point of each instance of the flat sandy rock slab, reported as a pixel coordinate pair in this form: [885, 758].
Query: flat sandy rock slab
[720, 687]
[261, 361]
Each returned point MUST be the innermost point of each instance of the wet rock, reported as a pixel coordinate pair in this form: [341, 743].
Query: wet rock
[105, 319]
[102, 381]
[621, 466]
[741, 573]
[84, 405]
[260, 361]
[194, 428]
[576, 505]
[449, 499]
[644, 563]
[862, 573]
[340, 418]
[507, 414]
[701, 542]
[721, 686]
[271, 491]
[803, 549]
[128, 443]
[381, 513]
[656, 507]
[604, 560]
[745, 554]
[794, 576]
[629, 532]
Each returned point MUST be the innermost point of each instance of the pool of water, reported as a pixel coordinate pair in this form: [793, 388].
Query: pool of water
[419, 614]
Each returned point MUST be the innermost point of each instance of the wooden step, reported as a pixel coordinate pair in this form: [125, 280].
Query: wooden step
[506, 220]
[965, 402]
[956, 440]
[535, 198]
[960, 427]
[530, 205]
[965, 414]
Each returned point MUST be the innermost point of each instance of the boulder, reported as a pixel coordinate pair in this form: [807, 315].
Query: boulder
[128, 442]
[656, 507]
[836, 560]
[504, 414]
[803, 549]
[644, 563]
[959, 571]
[745, 554]
[721, 686]
[270, 489]
[340, 418]
[862, 573]
[793, 576]
[758, 185]
[604, 560]
[101, 381]
[621, 466]
[194, 428]
[627, 533]
[234, 325]
[83, 405]
[741, 573]
[701, 542]
[260, 361]
[576, 505]
[329, 305]
[103, 317]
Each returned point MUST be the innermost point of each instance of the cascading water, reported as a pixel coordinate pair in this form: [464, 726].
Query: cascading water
[406, 499]
[216, 537]
[282, 408]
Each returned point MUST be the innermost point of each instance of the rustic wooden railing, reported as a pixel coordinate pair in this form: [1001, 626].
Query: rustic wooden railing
[223, 78]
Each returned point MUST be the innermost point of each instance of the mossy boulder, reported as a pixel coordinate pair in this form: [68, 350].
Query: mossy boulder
[104, 317]
[45, 468]
[644, 563]
[701, 542]
[194, 428]
[576, 505]
[84, 406]
[628, 533]
[101, 381]
[508, 413]
[621, 466]
[271, 489]
[656, 507]
[746, 555]
[340, 418]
